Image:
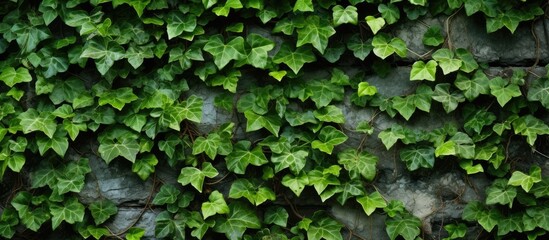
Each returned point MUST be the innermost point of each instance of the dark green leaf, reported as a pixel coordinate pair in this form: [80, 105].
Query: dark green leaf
[242, 156]
[371, 202]
[196, 176]
[294, 58]
[405, 225]
[418, 156]
[102, 210]
[241, 217]
[224, 53]
[215, 205]
[104, 52]
[358, 163]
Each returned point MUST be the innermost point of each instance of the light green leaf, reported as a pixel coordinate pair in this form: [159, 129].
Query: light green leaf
[10, 76]
[358, 163]
[405, 225]
[241, 157]
[67, 184]
[110, 149]
[260, 46]
[255, 122]
[16, 162]
[365, 89]
[59, 143]
[207, 145]
[294, 159]
[539, 91]
[117, 98]
[224, 53]
[405, 105]
[294, 58]
[449, 100]
[196, 176]
[530, 127]
[374, 23]
[191, 109]
[342, 15]
[105, 52]
[469, 63]
[32, 120]
[385, 46]
[144, 166]
[241, 217]
[526, 181]
[418, 156]
[503, 90]
[329, 113]
[102, 210]
[501, 193]
[296, 183]
[472, 88]
[179, 23]
[390, 136]
[419, 3]
[424, 71]
[215, 205]
[316, 31]
[225, 9]
[371, 202]
[328, 138]
[446, 60]
[135, 233]
[303, 6]
[251, 190]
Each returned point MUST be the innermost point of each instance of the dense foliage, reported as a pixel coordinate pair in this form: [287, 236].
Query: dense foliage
[112, 78]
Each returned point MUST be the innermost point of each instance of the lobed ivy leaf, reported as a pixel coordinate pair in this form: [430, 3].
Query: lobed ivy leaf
[135, 233]
[405, 225]
[105, 52]
[539, 91]
[360, 48]
[215, 205]
[303, 6]
[224, 53]
[276, 215]
[449, 100]
[225, 9]
[59, 143]
[540, 215]
[242, 156]
[316, 31]
[144, 166]
[196, 176]
[241, 217]
[294, 58]
[365, 89]
[324, 227]
[469, 64]
[117, 98]
[530, 127]
[446, 61]
[390, 136]
[472, 88]
[11, 76]
[374, 23]
[487, 218]
[358, 163]
[424, 71]
[255, 122]
[433, 37]
[385, 46]
[102, 210]
[456, 231]
[389, 12]
[28, 36]
[405, 105]
[294, 158]
[418, 156]
[32, 120]
[250, 190]
[179, 22]
[503, 90]
[526, 181]
[71, 212]
[371, 202]
[501, 193]
[328, 138]
[207, 145]
[260, 47]
[345, 15]
[296, 183]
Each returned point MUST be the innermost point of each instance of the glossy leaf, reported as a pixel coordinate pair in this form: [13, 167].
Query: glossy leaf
[276, 215]
[196, 176]
[11, 76]
[71, 212]
[446, 61]
[472, 88]
[449, 100]
[248, 189]
[358, 163]
[222, 52]
[424, 71]
[530, 127]
[418, 156]
[374, 23]
[405, 225]
[371, 202]
[294, 58]
[104, 52]
[519, 178]
[215, 205]
[345, 15]
[242, 156]
[241, 217]
[32, 120]
[127, 148]
[102, 210]
[499, 192]
[328, 138]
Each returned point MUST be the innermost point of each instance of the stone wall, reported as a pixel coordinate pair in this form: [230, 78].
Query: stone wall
[436, 197]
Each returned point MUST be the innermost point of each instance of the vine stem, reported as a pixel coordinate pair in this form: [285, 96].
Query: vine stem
[292, 207]
[447, 26]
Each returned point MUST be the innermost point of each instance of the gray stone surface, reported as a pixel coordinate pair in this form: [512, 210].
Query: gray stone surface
[367, 227]
[128, 217]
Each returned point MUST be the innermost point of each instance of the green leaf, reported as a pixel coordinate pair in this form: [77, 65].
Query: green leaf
[207, 145]
[469, 63]
[28, 36]
[69, 90]
[294, 159]
[110, 149]
[405, 225]
[105, 52]
[303, 6]
[530, 127]
[32, 120]
[191, 109]
[371, 202]
[241, 217]
[342, 15]
[324, 227]
[358, 163]
[208, 3]
[424, 71]
[405, 105]
[361, 49]
[389, 12]
[276, 215]
[224, 53]
[503, 90]
[166, 225]
[179, 23]
[242, 156]
[329, 113]
[374, 23]
[418, 156]
[225, 9]
[385, 46]
[419, 3]
[501, 193]
[196, 176]
[294, 58]
[68, 183]
[328, 138]
[540, 214]
[365, 89]
[433, 37]
[59, 143]
[448, 148]
[539, 91]
[456, 231]
[487, 218]
[135, 233]
[446, 60]
[472, 88]
[71, 212]
[255, 122]
[144, 166]
[10, 76]
[390, 136]
[296, 183]
[251, 190]
[449, 100]
[260, 46]
[102, 210]
[316, 31]
[117, 98]
[215, 205]
[526, 181]
[168, 194]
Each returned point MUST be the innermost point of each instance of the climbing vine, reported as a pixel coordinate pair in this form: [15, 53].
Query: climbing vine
[116, 80]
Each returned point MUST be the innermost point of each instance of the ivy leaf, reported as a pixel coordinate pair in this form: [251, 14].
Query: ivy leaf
[249, 189]
[433, 37]
[224, 53]
[328, 138]
[390, 136]
[191, 109]
[105, 52]
[329, 113]
[361, 49]
[456, 231]
[539, 91]
[374, 23]
[241, 217]
[418, 156]
[448, 148]
[478, 120]
[59, 143]
[241, 156]
[365, 89]
[32, 120]
[225, 9]
[530, 127]
[215, 205]
[405, 225]
[127, 148]
[260, 46]
[276, 215]
[102, 210]
[71, 212]
[446, 60]
[28, 36]
[168, 194]
[144, 166]
[501, 193]
[208, 3]
[389, 12]
[294, 159]
[207, 145]
[296, 183]
[358, 163]
[136, 54]
[179, 23]
[10, 76]
[472, 88]
[487, 218]
[424, 71]
[316, 31]
[526, 181]
[503, 91]
[135, 233]
[384, 46]
[371, 202]
[255, 122]
[196, 176]
[304, 6]
[469, 63]
[117, 98]
[449, 100]
[295, 59]
[166, 225]
[67, 184]
[405, 105]
[324, 227]
[342, 15]
[540, 214]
